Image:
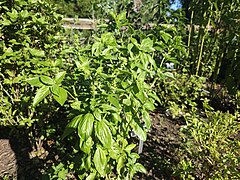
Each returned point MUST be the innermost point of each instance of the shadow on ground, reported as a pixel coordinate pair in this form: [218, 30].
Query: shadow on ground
[160, 149]
[15, 162]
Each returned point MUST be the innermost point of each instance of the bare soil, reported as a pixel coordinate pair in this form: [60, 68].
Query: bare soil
[160, 150]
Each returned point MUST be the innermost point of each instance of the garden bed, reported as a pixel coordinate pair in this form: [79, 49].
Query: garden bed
[159, 152]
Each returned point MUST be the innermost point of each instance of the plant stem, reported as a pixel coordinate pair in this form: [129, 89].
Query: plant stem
[202, 43]
[190, 32]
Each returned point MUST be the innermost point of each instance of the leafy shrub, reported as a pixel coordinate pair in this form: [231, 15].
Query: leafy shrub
[108, 98]
[29, 45]
[211, 147]
[213, 52]
[181, 92]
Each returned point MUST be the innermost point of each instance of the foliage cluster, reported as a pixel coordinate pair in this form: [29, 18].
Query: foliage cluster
[30, 44]
[181, 93]
[210, 146]
[89, 97]
[213, 45]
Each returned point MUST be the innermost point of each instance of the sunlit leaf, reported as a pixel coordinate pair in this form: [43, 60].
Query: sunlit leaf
[139, 131]
[76, 105]
[37, 52]
[91, 176]
[147, 45]
[114, 101]
[146, 119]
[103, 133]
[130, 147]
[120, 164]
[40, 95]
[127, 102]
[100, 161]
[59, 94]
[85, 126]
[86, 145]
[60, 76]
[47, 81]
[97, 114]
[149, 106]
[34, 81]
[139, 168]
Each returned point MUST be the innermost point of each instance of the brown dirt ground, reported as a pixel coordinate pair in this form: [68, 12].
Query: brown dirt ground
[160, 149]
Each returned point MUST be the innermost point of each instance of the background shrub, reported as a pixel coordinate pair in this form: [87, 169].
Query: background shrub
[211, 147]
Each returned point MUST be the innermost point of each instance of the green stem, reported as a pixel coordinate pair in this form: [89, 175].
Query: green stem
[200, 55]
[202, 43]
[12, 100]
[190, 32]
[212, 45]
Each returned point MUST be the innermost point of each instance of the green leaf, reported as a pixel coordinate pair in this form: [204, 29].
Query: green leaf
[34, 81]
[114, 152]
[139, 168]
[40, 95]
[86, 145]
[122, 16]
[140, 95]
[127, 102]
[138, 130]
[24, 13]
[13, 15]
[146, 119]
[67, 51]
[134, 41]
[88, 162]
[58, 62]
[130, 147]
[120, 164]
[100, 161]
[91, 176]
[97, 48]
[59, 94]
[97, 114]
[151, 60]
[124, 84]
[108, 107]
[165, 36]
[8, 52]
[85, 126]
[47, 81]
[116, 118]
[109, 39]
[103, 133]
[37, 52]
[6, 22]
[76, 105]
[71, 126]
[62, 174]
[149, 106]
[147, 45]
[155, 97]
[114, 101]
[59, 77]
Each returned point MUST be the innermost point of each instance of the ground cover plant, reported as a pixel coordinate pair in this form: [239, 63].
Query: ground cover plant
[211, 148]
[80, 102]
